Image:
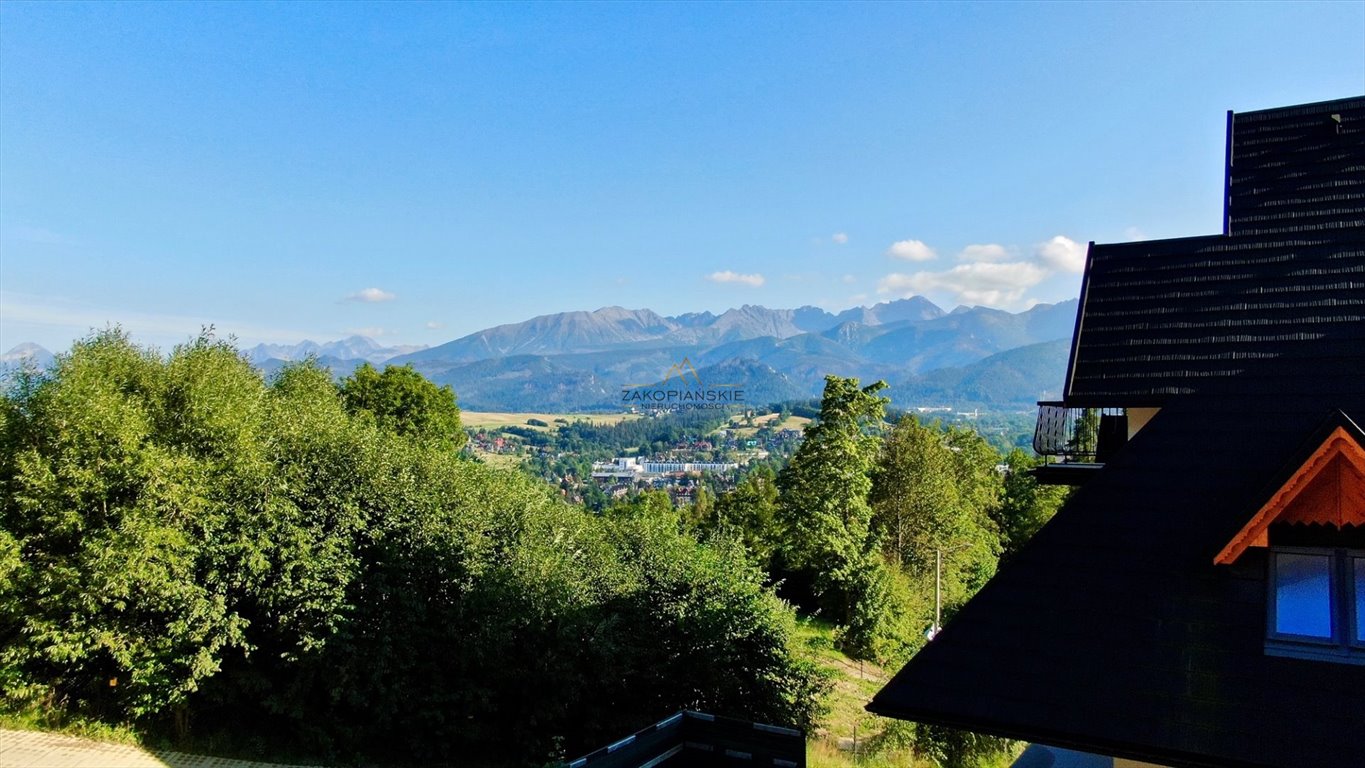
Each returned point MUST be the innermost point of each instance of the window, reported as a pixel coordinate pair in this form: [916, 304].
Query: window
[1316, 604]
[1358, 586]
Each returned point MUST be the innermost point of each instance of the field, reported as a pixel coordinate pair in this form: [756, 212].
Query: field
[493, 419]
[844, 739]
[744, 428]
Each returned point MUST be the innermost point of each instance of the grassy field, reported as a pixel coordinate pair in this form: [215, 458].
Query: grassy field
[492, 419]
[851, 735]
[741, 428]
[844, 739]
[501, 460]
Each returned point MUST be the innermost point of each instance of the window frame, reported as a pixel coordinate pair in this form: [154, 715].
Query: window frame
[1343, 646]
[1355, 627]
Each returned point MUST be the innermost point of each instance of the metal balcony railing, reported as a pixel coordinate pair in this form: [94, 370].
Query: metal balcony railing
[1078, 435]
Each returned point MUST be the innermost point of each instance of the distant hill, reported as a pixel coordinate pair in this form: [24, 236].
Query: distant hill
[360, 348]
[569, 361]
[23, 355]
[1016, 378]
[581, 360]
[617, 327]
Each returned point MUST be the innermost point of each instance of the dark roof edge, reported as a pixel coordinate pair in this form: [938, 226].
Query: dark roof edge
[1139, 400]
[1058, 738]
[1309, 107]
[1080, 315]
[1227, 178]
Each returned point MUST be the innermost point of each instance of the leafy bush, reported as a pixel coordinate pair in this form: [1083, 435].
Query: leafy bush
[282, 566]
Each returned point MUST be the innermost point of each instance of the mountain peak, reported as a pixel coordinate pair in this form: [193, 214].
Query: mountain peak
[27, 351]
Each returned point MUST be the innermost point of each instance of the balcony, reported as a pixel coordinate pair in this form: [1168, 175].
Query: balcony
[1076, 442]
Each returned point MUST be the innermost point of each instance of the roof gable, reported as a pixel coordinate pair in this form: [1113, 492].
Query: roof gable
[1328, 488]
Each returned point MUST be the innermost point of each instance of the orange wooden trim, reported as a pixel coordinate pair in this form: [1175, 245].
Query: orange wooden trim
[1255, 532]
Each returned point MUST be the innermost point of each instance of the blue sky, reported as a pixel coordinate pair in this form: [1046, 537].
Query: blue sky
[416, 172]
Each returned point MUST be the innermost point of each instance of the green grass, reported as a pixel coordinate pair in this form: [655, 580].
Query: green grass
[501, 460]
[848, 723]
[55, 721]
[738, 425]
[492, 419]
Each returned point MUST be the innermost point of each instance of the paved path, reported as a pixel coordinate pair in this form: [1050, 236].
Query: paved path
[34, 749]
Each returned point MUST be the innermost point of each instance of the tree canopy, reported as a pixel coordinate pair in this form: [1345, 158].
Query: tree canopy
[404, 401]
[312, 569]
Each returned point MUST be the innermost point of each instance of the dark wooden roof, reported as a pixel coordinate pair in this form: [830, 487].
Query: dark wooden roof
[1113, 631]
[1296, 169]
[1161, 318]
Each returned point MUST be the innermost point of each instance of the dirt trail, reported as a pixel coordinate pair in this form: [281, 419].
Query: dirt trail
[35, 749]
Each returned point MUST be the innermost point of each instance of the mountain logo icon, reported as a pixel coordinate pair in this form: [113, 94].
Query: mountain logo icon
[683, 371]
[680, 370]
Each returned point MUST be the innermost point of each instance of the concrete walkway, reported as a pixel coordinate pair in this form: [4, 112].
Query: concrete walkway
[34, 749]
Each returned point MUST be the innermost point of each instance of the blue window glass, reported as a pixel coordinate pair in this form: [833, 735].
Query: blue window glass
[1359, 568]
[1303, 595]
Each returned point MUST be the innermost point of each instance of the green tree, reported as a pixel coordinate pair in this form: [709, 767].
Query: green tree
[118, 504]
[181, 541]
[822, 505]
[976, 466]
[823, 511]
[915, 499]
[701, 512]
[1086, 436]
[749, 511]
[404, 401]
[932, 493]
[1026, 504]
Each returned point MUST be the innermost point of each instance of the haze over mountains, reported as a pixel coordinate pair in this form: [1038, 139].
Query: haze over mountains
[359, 348]
[970, 357]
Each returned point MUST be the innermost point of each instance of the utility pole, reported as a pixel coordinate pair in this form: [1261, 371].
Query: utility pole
[938, 589]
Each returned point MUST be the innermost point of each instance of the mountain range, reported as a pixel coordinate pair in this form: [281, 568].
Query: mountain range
[361, 348]
[970, 357]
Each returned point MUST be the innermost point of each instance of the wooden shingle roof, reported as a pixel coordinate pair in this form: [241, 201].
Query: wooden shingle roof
[1296, 169]
[1161, 318]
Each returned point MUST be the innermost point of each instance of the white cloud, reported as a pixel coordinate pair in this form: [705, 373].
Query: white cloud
[1133, 233]
[911, 250]
[371, 332]
[987, 252]
[991, 284]
[1062, 254]
[849, 279]
[433, 325]
[728, 276]
[839, 237]
[371, 296]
